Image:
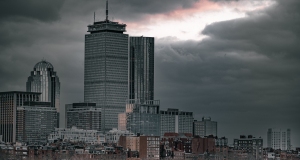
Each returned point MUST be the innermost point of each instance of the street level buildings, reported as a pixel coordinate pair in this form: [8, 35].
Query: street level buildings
[9, 101]
[35, 121]
[84, 116]
[173, 120]
[106, 69]
[279, 139]
[141, 68]
[205, 127]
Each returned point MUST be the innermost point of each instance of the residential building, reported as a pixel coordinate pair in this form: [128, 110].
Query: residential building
[205, 127]
[141, 68]
[9, 101]
[201, 145]
[141, 117]
[250, 145]
[77, 135]
[113, 135]
[178, 142]
[35, 121]
[84, 116]
[176, 121]
[279, 139]
[106, 69]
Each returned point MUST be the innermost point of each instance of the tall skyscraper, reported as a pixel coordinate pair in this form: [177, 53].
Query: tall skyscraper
[43, 79]
[279, 139]
[9, 101]
[106, 69]
[141, 68]
[205, 127]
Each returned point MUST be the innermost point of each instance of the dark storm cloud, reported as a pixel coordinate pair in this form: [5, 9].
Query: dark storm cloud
[33, 9]
[244, 74]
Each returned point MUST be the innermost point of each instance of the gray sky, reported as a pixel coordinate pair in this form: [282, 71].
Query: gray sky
[243, 70]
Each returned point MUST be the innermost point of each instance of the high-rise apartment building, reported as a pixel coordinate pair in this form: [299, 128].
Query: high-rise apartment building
[35, 121]
[9, 101]
[279, 139]
[106, 69]
[205, 127]
[84, 116]
[141, 68]
[141, 117]
[44, 80]
[176, 121]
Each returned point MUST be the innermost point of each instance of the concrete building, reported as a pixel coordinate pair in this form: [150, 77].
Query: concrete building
[146, 147]
[250, 145]
[205, 127]
[106, 69]
[113, 135]
[141, 68]
[176, 121]
[141, 117]
[35, 121]
[77, 135]
[84, 116]
[9, 101]
[279, 139]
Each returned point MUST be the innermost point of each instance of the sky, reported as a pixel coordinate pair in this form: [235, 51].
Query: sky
[236, 61]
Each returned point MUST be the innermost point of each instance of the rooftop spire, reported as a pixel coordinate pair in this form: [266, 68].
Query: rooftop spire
[106, 10]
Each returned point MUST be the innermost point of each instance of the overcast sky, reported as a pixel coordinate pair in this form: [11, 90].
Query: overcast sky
[235, 61]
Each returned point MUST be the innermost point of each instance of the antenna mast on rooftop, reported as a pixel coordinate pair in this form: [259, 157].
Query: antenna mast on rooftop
[106, 10]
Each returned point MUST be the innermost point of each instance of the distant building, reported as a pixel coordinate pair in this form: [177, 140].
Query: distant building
[279, 139]
[35, 121]
[113, 135]
[250, 145]
[44, 80]
[77, 135]
[178, 142]
[143, 147]
[84, 116]
[141, 68]
[141, 117]
[176, 121]
[9, 101]
[106, 69]
[201, 145]
[205, 127]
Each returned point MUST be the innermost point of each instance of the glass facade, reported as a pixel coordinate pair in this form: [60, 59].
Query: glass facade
[141, 68]
[9, 101]
[43, 79]
[143, 117]
[35, 121]
[106, 70]
[205, 127]
[84, 116]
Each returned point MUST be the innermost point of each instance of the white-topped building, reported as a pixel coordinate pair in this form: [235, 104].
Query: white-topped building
[279, 139]
[113, 135]
[77, 135]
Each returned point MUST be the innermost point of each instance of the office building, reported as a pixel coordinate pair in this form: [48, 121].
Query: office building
[141, 68]
[279, 139]
[106, 69]
[250, 145]
[176, 121]
[113, 135]
[84, 116]
[141, 117]
[9, 101]
[35, 121]
[44, 80]
[205, 127]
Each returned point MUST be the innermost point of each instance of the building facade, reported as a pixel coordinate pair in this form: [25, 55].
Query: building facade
[142, 118]
[205, 127]
[176, 121]
[250, 145]
[35, 121]
[9, 101]
[44, 80]
[106, 69]
[279, 139]
[84, 116]
[141, 68]
[113, 135]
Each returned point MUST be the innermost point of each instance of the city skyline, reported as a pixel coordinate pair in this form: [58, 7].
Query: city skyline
[241, 72]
